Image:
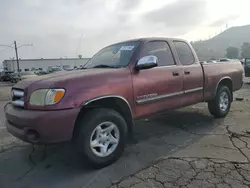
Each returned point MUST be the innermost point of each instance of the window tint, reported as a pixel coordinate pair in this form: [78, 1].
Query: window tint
[184, 52]
[161, 50]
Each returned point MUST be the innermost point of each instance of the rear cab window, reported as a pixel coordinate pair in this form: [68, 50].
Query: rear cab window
[184, 53]
[161, 50]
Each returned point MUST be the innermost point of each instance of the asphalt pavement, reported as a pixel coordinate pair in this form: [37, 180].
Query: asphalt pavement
[5, 88]
[175, 137]
[2, 118]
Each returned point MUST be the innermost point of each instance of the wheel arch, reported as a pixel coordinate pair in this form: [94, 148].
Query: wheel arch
[115, 102]
[227, 81]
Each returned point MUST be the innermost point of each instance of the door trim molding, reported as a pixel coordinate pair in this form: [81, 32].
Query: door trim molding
[193, 90]
[162, 97]
[159, 97]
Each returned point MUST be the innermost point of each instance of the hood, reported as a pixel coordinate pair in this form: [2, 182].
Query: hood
[51, 79]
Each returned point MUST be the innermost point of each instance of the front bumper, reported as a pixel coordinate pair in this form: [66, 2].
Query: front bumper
[40, 127]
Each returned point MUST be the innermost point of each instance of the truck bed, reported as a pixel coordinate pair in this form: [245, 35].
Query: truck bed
[214, 72]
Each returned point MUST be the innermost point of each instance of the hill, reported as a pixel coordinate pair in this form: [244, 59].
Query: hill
[216, 46]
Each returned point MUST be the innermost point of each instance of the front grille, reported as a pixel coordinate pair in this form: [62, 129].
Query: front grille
[17, 98]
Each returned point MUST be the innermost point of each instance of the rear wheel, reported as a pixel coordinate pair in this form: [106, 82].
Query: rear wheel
[101, 137]
[220, 106]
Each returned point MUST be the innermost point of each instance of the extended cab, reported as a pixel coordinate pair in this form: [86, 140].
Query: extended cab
[96, 107]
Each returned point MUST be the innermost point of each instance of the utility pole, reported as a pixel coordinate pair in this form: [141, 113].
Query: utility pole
[17, 60]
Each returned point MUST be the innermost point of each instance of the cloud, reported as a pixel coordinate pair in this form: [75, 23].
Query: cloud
[129, 4]
[55, 27]
[61, 28]
[179, 16]
[224, 20]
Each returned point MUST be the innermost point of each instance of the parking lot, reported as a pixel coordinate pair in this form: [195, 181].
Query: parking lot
[165, 147]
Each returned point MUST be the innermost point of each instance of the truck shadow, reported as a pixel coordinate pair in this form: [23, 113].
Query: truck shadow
[61, 167]
[191, 120]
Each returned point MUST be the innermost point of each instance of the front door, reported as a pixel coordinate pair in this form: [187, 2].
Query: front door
[158, 88]
[193, 74]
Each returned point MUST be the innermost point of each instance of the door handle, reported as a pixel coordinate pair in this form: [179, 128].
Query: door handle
[186, 72]
[175, 74]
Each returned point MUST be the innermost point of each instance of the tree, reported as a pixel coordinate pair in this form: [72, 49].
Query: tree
[245, 50]
[232, 52]
[80, 56]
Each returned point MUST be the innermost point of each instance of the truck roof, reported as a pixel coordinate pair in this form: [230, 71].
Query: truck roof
[145, 39]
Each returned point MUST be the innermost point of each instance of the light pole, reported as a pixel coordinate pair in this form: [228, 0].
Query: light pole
[16, 47]
[17, 60]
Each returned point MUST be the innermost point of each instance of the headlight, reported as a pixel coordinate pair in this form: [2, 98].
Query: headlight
[44, 97]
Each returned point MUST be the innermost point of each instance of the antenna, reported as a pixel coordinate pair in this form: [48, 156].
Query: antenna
[78, 47]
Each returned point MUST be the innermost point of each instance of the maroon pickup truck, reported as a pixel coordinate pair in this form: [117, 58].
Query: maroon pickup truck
[96, 107]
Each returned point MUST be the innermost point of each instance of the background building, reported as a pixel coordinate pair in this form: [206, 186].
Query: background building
[42, 64]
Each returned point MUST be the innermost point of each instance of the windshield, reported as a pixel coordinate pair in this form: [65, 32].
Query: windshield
[114, 56]
[27, 73]
[56, 69]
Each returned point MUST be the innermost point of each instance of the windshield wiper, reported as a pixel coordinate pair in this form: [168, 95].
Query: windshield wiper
[105, 66]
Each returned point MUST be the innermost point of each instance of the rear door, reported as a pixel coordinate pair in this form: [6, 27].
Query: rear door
[193, 73]
[161, 87]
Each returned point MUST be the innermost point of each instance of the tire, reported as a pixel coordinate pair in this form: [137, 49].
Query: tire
[217, 107]
[87, 130]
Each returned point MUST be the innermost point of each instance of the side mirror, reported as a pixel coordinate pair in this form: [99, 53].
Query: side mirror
[147, 62]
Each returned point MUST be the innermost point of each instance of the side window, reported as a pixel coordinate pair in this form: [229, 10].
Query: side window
[161, 50]
[184, 52]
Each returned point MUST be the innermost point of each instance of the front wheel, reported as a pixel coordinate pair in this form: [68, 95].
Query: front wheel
[101, 137]
[220, 106]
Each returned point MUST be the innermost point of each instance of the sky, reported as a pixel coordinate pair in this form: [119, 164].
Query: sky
[67, 28]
